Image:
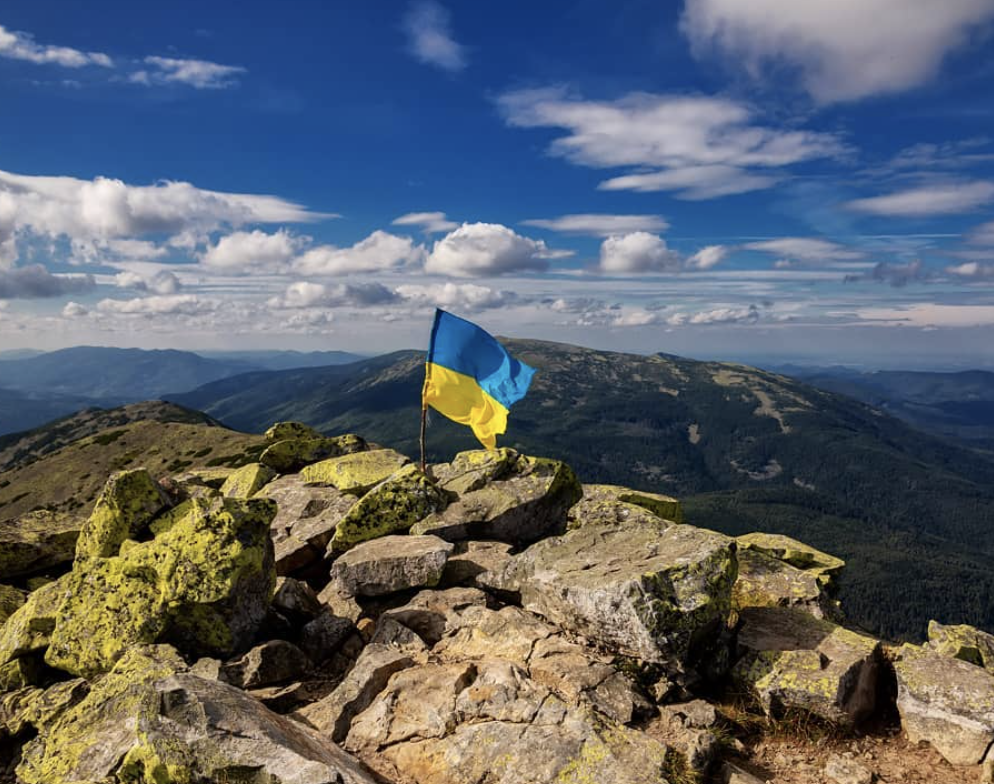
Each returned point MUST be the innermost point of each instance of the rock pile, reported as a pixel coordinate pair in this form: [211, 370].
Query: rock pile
[333, 614]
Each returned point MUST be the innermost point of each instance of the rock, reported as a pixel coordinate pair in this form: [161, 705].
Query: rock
[147, 720]
[292, 454]
[247, 481]
[822, 565]
[29, 629]
[654, 592]
[471, 562]
[213, 477]
[323, 636]
[393, 506]
[275, 661]
[962, 642]
[600, 499]
[528, 503]
[11, 600]
[23, 671]
[698, 747]
[340, 604]
[389, 632]
[461, 722]
[305, 520]
[355, 473]
[124, 509]
[296, 600]
[847, 771]
[696, 713]
[792, 660]
[282, 431]
[36, 542]
[947, 703]
[35, 708]
[733, 774]
[333, 715]
[765, 581]
[205, 584]
[473, 470]
[389, 564]
[430, 614]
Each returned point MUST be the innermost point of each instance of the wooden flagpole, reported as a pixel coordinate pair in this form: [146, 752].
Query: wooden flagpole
[424, 418]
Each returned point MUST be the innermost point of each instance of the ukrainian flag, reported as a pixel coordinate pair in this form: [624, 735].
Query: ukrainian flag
[471, 379]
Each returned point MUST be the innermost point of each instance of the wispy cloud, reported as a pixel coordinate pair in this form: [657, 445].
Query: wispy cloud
[200, 74]
[22, 46]
[804, 250]
[35, 282]
[600, 225]
[928, 200]
[429, 222]
[429, 36]
[840, 50]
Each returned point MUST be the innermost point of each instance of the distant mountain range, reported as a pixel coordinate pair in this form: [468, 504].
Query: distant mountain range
[38, 387]
[746, 449]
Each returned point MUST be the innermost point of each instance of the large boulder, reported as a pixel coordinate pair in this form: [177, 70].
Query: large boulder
[509, 497]
[652, 591]
[788, 659]
[393, 506]
[948, 703]
[798, 554]
[127, 504]
[205, 584]
[389, 564]
[36, 542]
[149, 720]
[247, 481]
[292, 454]
[275, 661]
[765, 581]
[600, 501]
[962, 642]
[29, 629]
[11, 600]
[357, 472]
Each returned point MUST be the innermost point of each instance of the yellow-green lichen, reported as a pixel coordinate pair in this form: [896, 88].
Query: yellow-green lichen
[129, 501]
[247, 481]
[357, 472]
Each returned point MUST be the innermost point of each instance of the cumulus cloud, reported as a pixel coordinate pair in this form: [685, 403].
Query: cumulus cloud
[304, 294]
[483, 249]
[600, 225]
[175, 304]
[73, 310]
[697, 146]
[163, 282]
[200, 74]
[429, 36]
[976, 270]
[724, 315]
[804, 250]
[247, 251]
[457, 296]
[36, 282]
[22, 46]
[93, 212]
[430, 222]
[638, 252]
[928, 200]
[840, 50]
[379, 252]
[707, 257]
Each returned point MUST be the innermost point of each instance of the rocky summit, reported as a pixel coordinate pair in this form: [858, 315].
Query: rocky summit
[331, 614]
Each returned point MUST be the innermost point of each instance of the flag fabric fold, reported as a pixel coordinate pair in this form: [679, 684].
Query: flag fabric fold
[470, 377]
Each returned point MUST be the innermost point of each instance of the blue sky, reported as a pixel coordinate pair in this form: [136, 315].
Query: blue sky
[806, 181]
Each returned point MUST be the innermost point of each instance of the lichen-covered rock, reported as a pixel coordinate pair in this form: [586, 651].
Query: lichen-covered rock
[37, 541]
[662, 506]
[11, 600]
[205, 585]
[962, 642]
[292, 454]
[357, 472]
[149, 721]
[487, 721]
[247, 481]
[472, 470]
[791, 660]
[124, 509]
[213, 477]
[393, 506]
[948, 703]
[652, 591]
[21, 672]
[390, 564]
[527, 503]
[824, 566]
[29, 629]
[282, 431]
[272, 662]
[36, 708]
[765, 581]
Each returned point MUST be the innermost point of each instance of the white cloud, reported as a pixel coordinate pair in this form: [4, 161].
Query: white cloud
[304, 294]
[637, 318]
[600, 225]
[983, 234]
[638, 252]
[163, 282]
[978, 270]
[73, 310]
[482, 249]
[698, 146]
[430, 222]
[36, 282]
[927, 200]
[200, 74]
[726, 315]
[245, 251]
[379, 252]
[130, 280]
[841, 49]
[176, 304]
[804, 250]
[457, 296]
[92, 212]
[137, 249]
[22, 46]
[931, 314]
[429, 36]
[707, 257]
